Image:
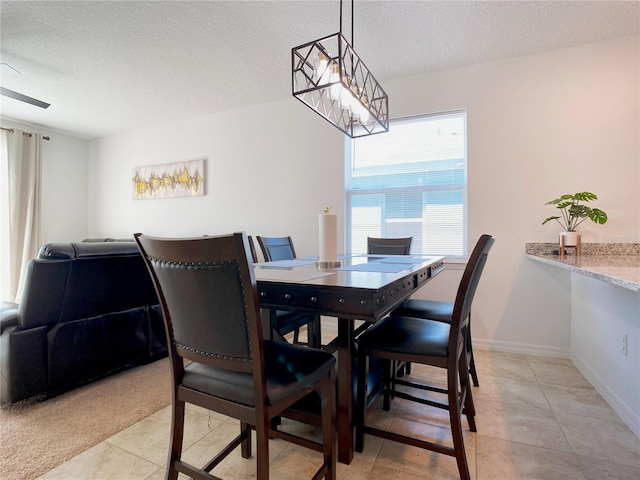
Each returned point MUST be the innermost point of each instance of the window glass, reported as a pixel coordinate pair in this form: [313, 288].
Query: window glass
[411, 181]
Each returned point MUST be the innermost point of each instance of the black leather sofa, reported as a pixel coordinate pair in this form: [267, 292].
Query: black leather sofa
[87, 310]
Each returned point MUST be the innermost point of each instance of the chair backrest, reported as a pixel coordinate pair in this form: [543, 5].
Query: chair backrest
[209, 300]
[277, 248]
[389, 246]
[468, 286]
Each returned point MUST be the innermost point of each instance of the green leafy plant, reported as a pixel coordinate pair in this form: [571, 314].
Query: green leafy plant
[573, 212]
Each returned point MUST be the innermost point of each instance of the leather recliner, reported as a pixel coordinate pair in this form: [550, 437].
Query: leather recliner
[87, 310]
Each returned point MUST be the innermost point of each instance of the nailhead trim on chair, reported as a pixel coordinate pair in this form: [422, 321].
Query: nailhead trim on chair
[212, 355]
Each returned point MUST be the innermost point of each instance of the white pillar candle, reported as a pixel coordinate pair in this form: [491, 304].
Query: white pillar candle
[328, 237]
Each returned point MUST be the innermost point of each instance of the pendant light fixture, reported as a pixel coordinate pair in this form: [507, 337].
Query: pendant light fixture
[331, 79]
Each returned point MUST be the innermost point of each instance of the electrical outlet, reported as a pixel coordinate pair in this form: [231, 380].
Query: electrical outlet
[623, 344]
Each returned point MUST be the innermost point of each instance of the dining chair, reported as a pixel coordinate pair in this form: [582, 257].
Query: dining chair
[441, 312]
[285, 322]
[392, 246]
[389, 246]
[277, 248]
[218, 355]
[433, 343]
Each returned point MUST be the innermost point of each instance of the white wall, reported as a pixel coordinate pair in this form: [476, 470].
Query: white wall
[538, 126]
[65, 166]
[269, 170]
[601, 314]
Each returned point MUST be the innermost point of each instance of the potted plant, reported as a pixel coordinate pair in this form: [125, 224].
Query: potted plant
[573, 212]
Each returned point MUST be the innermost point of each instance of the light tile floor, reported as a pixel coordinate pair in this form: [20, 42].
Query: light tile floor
[537, 418]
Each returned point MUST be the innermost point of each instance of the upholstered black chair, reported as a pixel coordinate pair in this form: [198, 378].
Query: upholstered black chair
[277, 248]
[284, 322]
[209, 299]
[389, 246]
[441, 312]
[433, 343]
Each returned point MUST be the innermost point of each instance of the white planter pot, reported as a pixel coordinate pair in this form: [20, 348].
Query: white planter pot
[570, 239]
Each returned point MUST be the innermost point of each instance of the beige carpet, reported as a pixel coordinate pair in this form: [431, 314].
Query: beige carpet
[35, 437]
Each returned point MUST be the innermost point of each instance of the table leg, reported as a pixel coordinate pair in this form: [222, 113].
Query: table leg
[345, 389]
[265, 315]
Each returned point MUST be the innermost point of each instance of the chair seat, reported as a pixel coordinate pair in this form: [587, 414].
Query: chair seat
[431, 309]
[287, 365]
[408, 335]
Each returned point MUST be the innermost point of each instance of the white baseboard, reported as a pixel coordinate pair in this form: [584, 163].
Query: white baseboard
[524, 348]
[620, 407]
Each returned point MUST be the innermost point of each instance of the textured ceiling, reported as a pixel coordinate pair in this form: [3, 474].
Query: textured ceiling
[112, 66]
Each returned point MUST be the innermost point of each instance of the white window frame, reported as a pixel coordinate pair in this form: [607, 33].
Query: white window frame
[351, 192]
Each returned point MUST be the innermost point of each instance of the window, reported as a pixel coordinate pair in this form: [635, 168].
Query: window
[411, 181]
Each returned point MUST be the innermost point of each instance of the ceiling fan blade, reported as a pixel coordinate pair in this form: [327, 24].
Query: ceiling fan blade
[23, 98]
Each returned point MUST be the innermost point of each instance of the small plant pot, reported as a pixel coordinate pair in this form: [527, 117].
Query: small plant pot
[570, 239]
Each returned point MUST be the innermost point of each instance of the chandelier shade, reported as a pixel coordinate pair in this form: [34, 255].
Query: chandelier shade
[331, 79]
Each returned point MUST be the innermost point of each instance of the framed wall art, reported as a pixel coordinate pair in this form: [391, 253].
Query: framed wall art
[170, 180]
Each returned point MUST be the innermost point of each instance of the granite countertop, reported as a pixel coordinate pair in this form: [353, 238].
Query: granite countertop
[615, 263]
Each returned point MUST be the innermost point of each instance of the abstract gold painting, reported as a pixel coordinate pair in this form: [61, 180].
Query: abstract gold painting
[170, 180]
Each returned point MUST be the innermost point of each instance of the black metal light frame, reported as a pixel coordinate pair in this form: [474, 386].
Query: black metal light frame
[331, 79]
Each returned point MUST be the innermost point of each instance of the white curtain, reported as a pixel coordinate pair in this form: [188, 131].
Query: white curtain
[20, 192]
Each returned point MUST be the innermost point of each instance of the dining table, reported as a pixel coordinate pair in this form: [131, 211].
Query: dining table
[356, 287]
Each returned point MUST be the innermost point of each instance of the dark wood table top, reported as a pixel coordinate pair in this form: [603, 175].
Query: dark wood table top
[366, 287]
